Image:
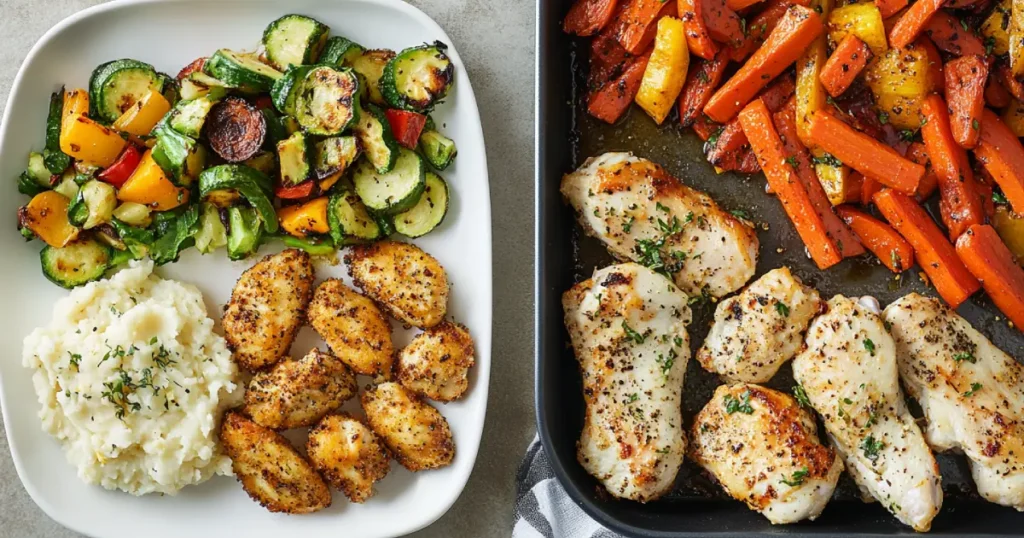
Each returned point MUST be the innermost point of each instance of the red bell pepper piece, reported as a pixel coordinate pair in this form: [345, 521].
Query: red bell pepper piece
[119, 172]
[295, 192]
[196, 65]
[406, 126]
[262, 102]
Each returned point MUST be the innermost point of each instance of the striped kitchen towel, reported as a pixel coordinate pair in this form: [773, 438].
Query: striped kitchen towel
[543, 508]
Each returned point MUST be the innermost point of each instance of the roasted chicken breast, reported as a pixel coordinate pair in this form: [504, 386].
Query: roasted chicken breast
[353, 327]
[971, 392]
[294, 394]
[415, 432]
[643, 214]
[407, 282]
[756, 332]
[849, 374]
[628, 330]
[267, 307]
[270, 470]
[763, 448]
[436, 363]
[349, 455]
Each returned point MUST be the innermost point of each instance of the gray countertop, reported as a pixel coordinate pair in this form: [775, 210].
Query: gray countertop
[496, 40]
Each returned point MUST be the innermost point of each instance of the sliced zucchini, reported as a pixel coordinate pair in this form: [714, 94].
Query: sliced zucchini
[349, 218]
[115, 86]
[286, 88]
[374, 134]
[428, 212]
[340, 51]
[228, 180]
[294, 40]
[245, 232]
[241, 70]
[370, 64]
[76, 263]
[276, 130]
[418, 77]
[387, 224]
[212, 234]
[199, 84]
[265, 162]
[325, 103]
[293, 154]
[56, 160]
[78, 212]
[107, 235]
[437, 149]
[315, 247]
[172, 90]
[67, 187]
[181, 157]
[100, 199]
[395, 191]
[138, 240]
[133, 214]
[36, 177]
[334, 155]
[188, 117]
[28, 186]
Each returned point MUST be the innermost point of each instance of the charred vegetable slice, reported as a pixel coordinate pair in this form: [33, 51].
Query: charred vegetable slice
[395, 191]
[418, 77]
[199, 84]
[241, 70]
[294, 40]
[188, 117]
[325, 103]
[428, 213]
[76, 263]
[36, 178]
[55, 159]
[374, 134]
[436, 148]
[340, 51]
[97, 201]
[293, 154]
[115, 86]
[334, 155]
[212, 234]
[286, 88]
[235, 129]
[370, 64]
[245, 231]
[230, 180]
[349, 219]
[46, 215]
[180, 157]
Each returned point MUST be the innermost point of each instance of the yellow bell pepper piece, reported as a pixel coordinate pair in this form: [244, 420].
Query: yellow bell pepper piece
[88, 141]
[996, 26]
[141, 117]
[863, 20]
[150, 187]
[329, 181]
[76, 103]
[47, 216]
[1013, 117]
[1011, 230]
[303, 219]
[666, 70]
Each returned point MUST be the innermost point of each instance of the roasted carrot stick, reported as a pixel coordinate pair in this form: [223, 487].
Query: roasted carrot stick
[965, 90]
[724, 153]
[704, 127]
[588, 17]
[912, 22]
[917, 153]
[947, 34]
[756, 120]
[985, 256]
[701, 81]
[748, 163]
[847, 61]
[984, 185]
[888, 8]
[607, 58]
[697, 37]
[723, 23]
[635, 23]
[740, 5]
[785, 125]
[959, 202]
[934, 253]
[612, 99]
[892, 250]
[996, 95]
[762, 25]
[862, 153]
[794, 33]
[868, 188]
[1001, 153]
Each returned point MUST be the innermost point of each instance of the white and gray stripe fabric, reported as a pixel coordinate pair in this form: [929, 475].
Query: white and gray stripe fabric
[543, 508]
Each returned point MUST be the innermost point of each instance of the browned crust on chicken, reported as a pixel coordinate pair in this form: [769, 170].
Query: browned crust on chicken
[295, 394]
[349, 455]
[406, 281]
[415, 432]
[436, 363]
[353, 327]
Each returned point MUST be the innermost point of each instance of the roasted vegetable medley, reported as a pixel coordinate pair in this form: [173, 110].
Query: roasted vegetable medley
[861, 114]
[312, 139]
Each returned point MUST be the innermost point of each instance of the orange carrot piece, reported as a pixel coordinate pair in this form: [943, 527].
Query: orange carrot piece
[701, 81]
[868, 156]
[785, 125]
[965, 90]
[847, 61]
[985, 256]
[888, 8]
[588, 17]
[796, 30]
[912, 22]
[740, 5]
[934, 253]
[757, 123]
[612, 99]
[761, 26]
[959, 202]
[697, 38]
[635, 22]
[1001, 153]
[888, 246]
[868, 188]
[919, 154]
[607, 59]
[723, 23]
[724, 153]
[996, 95]
[984, 185]
[947, 33]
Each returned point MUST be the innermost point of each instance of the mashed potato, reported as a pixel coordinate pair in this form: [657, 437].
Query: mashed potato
[133, 381]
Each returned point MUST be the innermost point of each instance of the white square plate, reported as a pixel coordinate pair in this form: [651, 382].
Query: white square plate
[169, 34]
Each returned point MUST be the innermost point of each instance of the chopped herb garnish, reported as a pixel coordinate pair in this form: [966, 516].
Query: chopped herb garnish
[801, 396]
[975, 387]
[661, 207]
[678, 341]
[965, 356]
[666, 362]
[827, 158]
[742, 404]
[633, 397]
[883, 117]
[631, 334]
[870, 346]
[741, 214]
[907, 135]
[782, 309]
[975, 125]
[791, 160]
[998, 197]
[152, 341]
[74, 359]
[702, 76]
[628, 225]
[796, 479]
[871, 448]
